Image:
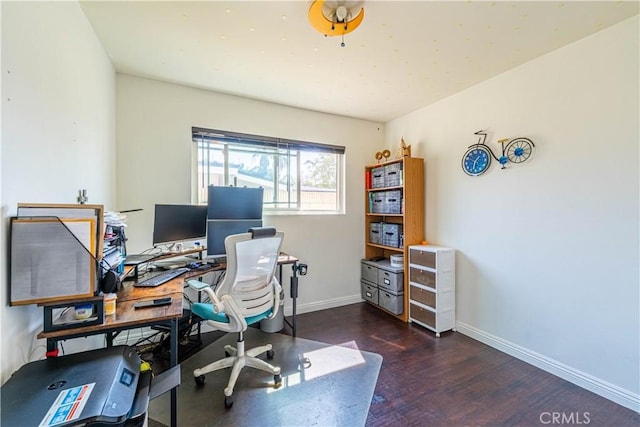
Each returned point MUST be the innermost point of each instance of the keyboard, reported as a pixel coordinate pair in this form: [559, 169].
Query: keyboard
[161, 278]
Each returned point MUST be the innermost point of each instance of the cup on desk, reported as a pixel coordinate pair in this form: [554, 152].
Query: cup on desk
[110, 304]
[83, 311]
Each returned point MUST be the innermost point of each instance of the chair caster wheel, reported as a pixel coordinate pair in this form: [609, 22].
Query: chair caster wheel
[277, 379]
[228, 402]
[270, 354]
[199, 380]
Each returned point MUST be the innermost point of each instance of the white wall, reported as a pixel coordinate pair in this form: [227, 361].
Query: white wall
[154, 166]
[547, 251]
[547, 261]
[58, 134]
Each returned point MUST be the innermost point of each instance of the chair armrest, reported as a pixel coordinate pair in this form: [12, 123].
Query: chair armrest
[277, 289]
[237, 322]
[204, 287]
[276, 286]
[198, 285]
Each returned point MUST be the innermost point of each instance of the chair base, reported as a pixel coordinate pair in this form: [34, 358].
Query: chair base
[238, 359]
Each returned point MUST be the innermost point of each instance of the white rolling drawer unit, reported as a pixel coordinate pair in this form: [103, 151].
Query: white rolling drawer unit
[432, 293]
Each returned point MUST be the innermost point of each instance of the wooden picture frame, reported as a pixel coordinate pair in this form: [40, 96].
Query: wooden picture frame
[54, 253]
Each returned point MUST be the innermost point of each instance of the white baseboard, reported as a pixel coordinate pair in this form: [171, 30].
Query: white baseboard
[600, 387]
[323, 305]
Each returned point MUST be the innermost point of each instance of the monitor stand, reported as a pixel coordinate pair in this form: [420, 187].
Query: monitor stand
[215, 260]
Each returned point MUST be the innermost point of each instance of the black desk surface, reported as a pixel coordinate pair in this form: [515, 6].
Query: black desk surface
[92, 386]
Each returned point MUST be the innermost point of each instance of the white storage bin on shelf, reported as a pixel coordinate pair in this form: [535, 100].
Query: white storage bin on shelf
[375, 233]
[391, 235]
[378, 201]
[393, 202]
[393, 175]
[432, 297]
[377, 177]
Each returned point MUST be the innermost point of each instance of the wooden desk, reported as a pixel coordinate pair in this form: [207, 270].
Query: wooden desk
[127, 317]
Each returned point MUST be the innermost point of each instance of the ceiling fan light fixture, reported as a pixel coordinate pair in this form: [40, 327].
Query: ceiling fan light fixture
[336, 18]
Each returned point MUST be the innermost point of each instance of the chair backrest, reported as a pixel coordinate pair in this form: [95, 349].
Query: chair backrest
[252, 259]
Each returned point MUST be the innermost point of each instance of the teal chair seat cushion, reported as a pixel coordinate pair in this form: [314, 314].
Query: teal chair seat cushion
[205, 311]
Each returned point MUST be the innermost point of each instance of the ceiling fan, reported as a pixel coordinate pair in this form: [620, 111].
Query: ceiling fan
[336, 18]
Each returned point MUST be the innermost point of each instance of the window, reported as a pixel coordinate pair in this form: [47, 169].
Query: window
[297, 176]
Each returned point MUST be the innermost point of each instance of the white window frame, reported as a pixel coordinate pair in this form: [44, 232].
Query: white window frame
[207, 140]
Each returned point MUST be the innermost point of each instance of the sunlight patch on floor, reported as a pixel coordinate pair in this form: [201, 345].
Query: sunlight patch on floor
[322, 362]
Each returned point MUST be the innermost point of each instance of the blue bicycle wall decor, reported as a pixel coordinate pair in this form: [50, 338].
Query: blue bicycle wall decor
[477, 158]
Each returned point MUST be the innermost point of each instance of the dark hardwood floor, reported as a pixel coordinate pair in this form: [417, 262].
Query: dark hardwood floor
[452, 380]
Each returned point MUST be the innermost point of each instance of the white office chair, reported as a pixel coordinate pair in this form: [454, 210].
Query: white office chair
[248, 293]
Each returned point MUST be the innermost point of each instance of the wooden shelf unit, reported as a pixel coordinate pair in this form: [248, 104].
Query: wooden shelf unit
[411, 217]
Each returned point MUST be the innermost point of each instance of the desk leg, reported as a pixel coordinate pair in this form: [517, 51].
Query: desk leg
[52, 348]
[280, 280]
[294, 296]
[174, 362]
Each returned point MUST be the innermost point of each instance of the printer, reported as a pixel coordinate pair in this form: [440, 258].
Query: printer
[102, 387]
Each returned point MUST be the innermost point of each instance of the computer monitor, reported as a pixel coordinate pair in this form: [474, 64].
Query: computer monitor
[234, 202]
[218, 230]
[231, 210]
[179, 223]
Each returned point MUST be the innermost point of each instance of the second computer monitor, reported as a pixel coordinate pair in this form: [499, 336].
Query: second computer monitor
[231, 210]
[234, 202]
[178, 223]
[217, 232]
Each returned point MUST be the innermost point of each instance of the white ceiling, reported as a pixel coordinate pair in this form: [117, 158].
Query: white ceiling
[405, 55]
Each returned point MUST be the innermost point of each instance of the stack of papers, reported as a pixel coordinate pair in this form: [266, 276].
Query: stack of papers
[114, 240]
[115, 219]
